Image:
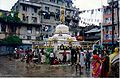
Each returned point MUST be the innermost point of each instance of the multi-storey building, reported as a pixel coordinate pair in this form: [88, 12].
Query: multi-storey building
[26, 32]
[46, 13]
[39, 19]
[107, 22]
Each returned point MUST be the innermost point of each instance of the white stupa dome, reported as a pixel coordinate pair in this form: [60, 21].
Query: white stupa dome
[62, 29]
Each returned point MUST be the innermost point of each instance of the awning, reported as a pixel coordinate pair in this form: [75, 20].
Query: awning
[93, 30]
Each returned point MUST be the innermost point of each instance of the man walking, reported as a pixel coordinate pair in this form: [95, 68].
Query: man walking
[87, 62]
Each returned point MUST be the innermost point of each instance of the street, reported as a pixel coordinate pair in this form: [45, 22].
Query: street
[16, 68]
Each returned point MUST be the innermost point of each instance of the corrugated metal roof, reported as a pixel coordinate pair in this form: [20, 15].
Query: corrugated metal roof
[93, 30]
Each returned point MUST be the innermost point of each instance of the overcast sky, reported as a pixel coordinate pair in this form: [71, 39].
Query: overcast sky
[81, 4]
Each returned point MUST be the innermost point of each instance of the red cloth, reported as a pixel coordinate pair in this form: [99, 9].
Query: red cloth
[96, 57]
[56, 62]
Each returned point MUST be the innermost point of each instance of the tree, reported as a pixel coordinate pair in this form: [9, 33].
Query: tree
[11, 41]
[12, 17]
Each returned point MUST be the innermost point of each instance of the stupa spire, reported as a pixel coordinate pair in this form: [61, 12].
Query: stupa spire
[62, 17]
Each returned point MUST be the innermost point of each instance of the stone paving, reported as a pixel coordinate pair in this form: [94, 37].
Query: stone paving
[16, 68]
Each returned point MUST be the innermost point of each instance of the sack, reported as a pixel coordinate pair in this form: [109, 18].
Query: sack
[56, 62]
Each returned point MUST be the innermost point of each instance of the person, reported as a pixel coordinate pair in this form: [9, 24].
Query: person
[64, 56]
[18, 53]
[42, 51]
[37, 55]
[82, 59]
[56, 61]
[87, 62]
[22, 54]
[96, 65]
[42, 54]
[114, 63]
[51, 58]
[72, 55]
[15, 53]
[42, 58]
[27, 57]
[105, 64]
[77, 60]
[31, 54]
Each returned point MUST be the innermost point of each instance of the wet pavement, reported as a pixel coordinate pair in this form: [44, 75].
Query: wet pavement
[16, 68]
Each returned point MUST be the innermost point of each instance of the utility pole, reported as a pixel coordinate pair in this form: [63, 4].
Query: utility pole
[118, 16]
[113, 27]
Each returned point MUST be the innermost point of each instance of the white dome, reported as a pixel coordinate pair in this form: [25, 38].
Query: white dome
[63, 37]
[62, 29]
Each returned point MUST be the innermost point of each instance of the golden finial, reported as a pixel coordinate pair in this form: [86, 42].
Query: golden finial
[62, 17]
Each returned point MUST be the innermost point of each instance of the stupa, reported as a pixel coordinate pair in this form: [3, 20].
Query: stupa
[62, 34]
[62, 37]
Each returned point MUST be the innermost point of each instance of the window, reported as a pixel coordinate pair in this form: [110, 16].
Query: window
[24, 8]
[57, 17]
[37, 38]
[29, 29]
[37, 28]
[52, 0]
[58, 11]
[68, 4]
[2, 28]
[35, 10]
[34, 19]
[46, 36]
[28, 37]
[27, 18]
[108, 20]
[46, 16]
[46, 8]
[59, 1]
[23, 16]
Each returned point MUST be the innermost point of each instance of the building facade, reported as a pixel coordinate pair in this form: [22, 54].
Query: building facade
[107, 22]
[45, 13]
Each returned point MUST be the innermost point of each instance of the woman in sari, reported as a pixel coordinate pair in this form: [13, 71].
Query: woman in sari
[96, 65]
[105, 64]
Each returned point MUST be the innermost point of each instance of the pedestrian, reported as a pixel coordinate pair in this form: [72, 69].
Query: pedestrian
[51, 58]
[15, 53]
[18, 53]
[105, 64]
[42, 51]
[72, 55]
[42, 58]
[31, 54]
[82, 59]
[37, 55]
[87, 61]
[27, 58]
[42, 55]
[96, 65]
[77, 60]
[114, 63]
[22, 54]
[64, 56]
[56, 61]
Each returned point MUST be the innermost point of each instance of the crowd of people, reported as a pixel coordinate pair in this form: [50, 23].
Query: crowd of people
[88, 59]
